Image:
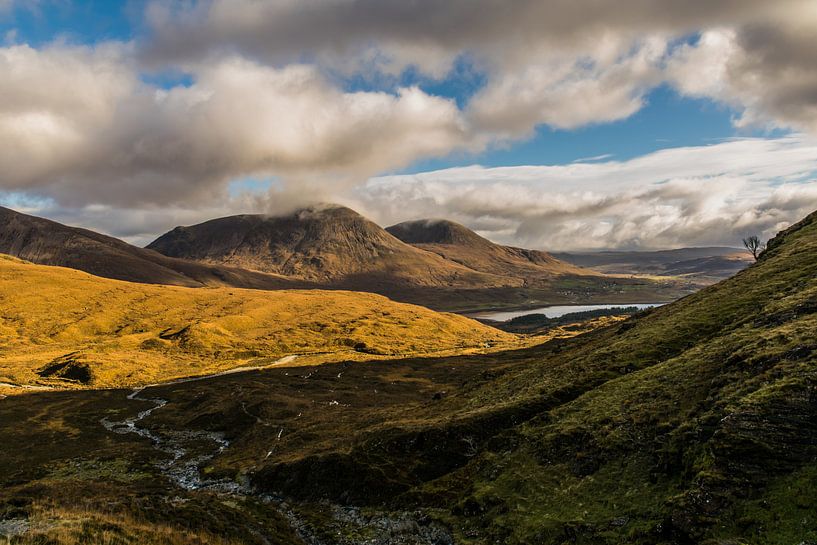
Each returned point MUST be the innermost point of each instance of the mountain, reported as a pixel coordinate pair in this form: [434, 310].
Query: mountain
[457, 243]
[707, 264]
[325, 247]
[326, 244]
[63, 327]
[451, 268]
[47, 242]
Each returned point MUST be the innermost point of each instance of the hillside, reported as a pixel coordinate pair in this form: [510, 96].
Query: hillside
[461, 245]
[707, 265]
[328, 244]
[50, 243]
[690, 423]
[66, 328]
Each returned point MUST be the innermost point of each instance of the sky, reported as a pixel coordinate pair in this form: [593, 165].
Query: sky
[550, 124]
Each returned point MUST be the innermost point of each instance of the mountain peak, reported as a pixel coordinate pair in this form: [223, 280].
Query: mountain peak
[457, 243]
[435, 231]
[317, 243]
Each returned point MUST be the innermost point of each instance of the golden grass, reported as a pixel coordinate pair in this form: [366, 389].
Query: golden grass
[127, 334]
[61, 526]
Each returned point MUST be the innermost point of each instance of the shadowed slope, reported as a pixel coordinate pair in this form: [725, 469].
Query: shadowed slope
[690, 423]
[461, 245]
[50, 243]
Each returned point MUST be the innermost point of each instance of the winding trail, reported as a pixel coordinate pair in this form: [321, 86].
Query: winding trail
[234, 370]
[25, 386]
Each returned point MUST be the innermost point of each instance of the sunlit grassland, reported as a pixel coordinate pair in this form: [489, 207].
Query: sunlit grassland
[107, 333]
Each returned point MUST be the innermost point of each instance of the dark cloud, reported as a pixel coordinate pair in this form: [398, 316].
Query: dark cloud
[284, 29]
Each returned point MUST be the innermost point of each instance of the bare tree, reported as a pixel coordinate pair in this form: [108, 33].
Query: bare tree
[754, 245]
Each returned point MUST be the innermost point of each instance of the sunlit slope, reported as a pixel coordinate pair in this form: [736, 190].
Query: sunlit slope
[67, 328]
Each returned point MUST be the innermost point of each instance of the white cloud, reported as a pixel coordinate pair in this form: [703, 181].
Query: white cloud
[566, 92]
[694, 196]
[563, 63]
[675, 197]
[80, 127]
[767, 71]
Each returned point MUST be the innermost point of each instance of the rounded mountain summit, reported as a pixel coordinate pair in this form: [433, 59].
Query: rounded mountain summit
[322, 244]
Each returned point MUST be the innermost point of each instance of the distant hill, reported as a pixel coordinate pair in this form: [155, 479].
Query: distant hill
[708, 264]
[457, 243]
[47, 242]
[439, 264]
[67, 328]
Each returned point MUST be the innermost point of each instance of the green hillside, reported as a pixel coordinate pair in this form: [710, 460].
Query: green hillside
[696, 421]
[691, 423]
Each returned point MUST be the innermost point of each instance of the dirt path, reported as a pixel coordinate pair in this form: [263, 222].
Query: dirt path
[24, 386]
[276, 363]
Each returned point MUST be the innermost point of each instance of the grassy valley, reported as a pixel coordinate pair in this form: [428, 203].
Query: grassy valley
[386, 272]
[689, 423]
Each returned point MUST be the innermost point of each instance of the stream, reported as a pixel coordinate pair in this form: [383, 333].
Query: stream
[182, 468]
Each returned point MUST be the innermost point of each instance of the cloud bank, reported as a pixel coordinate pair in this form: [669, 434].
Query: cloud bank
[697, 196]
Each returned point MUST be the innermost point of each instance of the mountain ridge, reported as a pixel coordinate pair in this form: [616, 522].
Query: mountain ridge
[320, 243]
[310, 250]
[47, 242]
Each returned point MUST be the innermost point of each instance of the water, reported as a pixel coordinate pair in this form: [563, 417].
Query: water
[555, 311]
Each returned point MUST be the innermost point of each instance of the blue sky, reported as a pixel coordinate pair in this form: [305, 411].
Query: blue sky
[668, 120]
[566, 128]
[38, 22]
